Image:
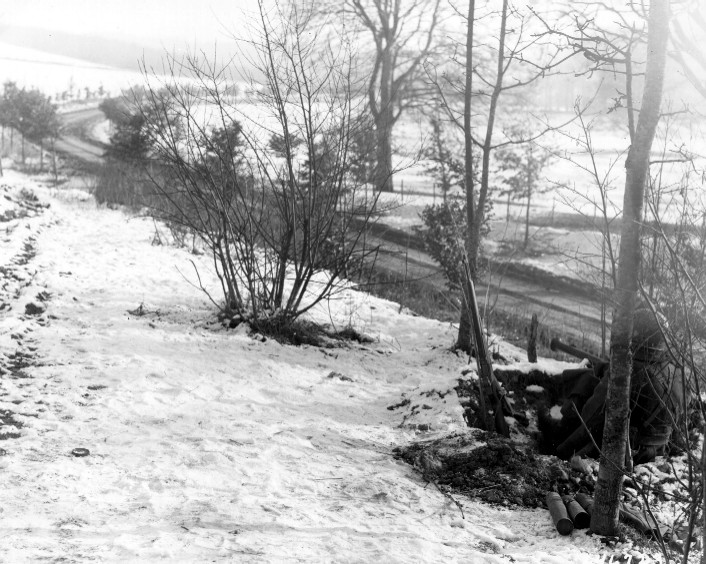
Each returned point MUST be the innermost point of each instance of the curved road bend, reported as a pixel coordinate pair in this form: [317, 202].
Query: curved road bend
[75, 140]
[572, 315]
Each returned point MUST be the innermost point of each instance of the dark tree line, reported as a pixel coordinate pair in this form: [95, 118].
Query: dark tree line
[31, 114]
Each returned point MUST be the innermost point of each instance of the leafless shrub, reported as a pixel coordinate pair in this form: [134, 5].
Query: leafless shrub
[282, 220]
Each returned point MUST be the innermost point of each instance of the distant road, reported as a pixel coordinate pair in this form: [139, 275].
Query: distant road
[75, 140]
[572, 313]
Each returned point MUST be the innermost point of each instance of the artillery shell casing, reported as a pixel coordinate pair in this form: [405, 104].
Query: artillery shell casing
[585, 501]
[557, 510]
[581, 519]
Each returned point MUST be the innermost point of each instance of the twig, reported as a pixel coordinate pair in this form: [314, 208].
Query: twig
[641, 489]
[452, 498]
[485, 488]
[590, 435]
[200, 285]
[657, 529]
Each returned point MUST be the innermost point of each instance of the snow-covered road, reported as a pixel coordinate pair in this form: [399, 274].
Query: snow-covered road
[208, 444]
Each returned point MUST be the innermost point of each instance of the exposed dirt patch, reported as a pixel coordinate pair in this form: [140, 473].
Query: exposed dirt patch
[532, 394]
[521, 470]
[296, 332]
[34, 309]
[495, 470]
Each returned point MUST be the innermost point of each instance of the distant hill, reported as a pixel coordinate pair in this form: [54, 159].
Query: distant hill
[94, 49]
[59, 61]
[61, 76]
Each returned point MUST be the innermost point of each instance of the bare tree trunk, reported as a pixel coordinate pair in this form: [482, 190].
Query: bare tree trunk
[53, 160]
[604, 520]
[604, 296]
[529, 203]
[442, 158]
[463, 341]
[384, 119]
[476, 211]
[703, 500]
[383, 152]
[479, 212]
[396, 29]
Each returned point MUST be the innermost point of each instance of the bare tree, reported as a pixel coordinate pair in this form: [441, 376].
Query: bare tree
[281, 225]
[619, 44]
[522, 165]
[490, 68]
[598, 206]
[403, 35]
[604, 520]
[676, 290]
[465, 330]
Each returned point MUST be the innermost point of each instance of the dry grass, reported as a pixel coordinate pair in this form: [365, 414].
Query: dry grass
[118, 184]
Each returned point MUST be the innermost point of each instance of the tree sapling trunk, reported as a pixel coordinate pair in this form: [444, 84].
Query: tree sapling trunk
[604, 520]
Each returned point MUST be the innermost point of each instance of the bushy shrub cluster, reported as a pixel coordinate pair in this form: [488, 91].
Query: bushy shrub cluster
[445, 236]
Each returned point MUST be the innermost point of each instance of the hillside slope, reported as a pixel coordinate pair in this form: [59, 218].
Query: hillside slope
[208, 444]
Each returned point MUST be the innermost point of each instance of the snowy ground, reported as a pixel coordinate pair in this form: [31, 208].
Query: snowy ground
[208, 444]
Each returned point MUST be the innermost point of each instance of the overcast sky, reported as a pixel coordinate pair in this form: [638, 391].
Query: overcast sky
[153, 23]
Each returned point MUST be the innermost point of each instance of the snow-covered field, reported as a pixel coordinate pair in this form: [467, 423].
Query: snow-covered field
[54, 74]
[568, 184]
[207, 444]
